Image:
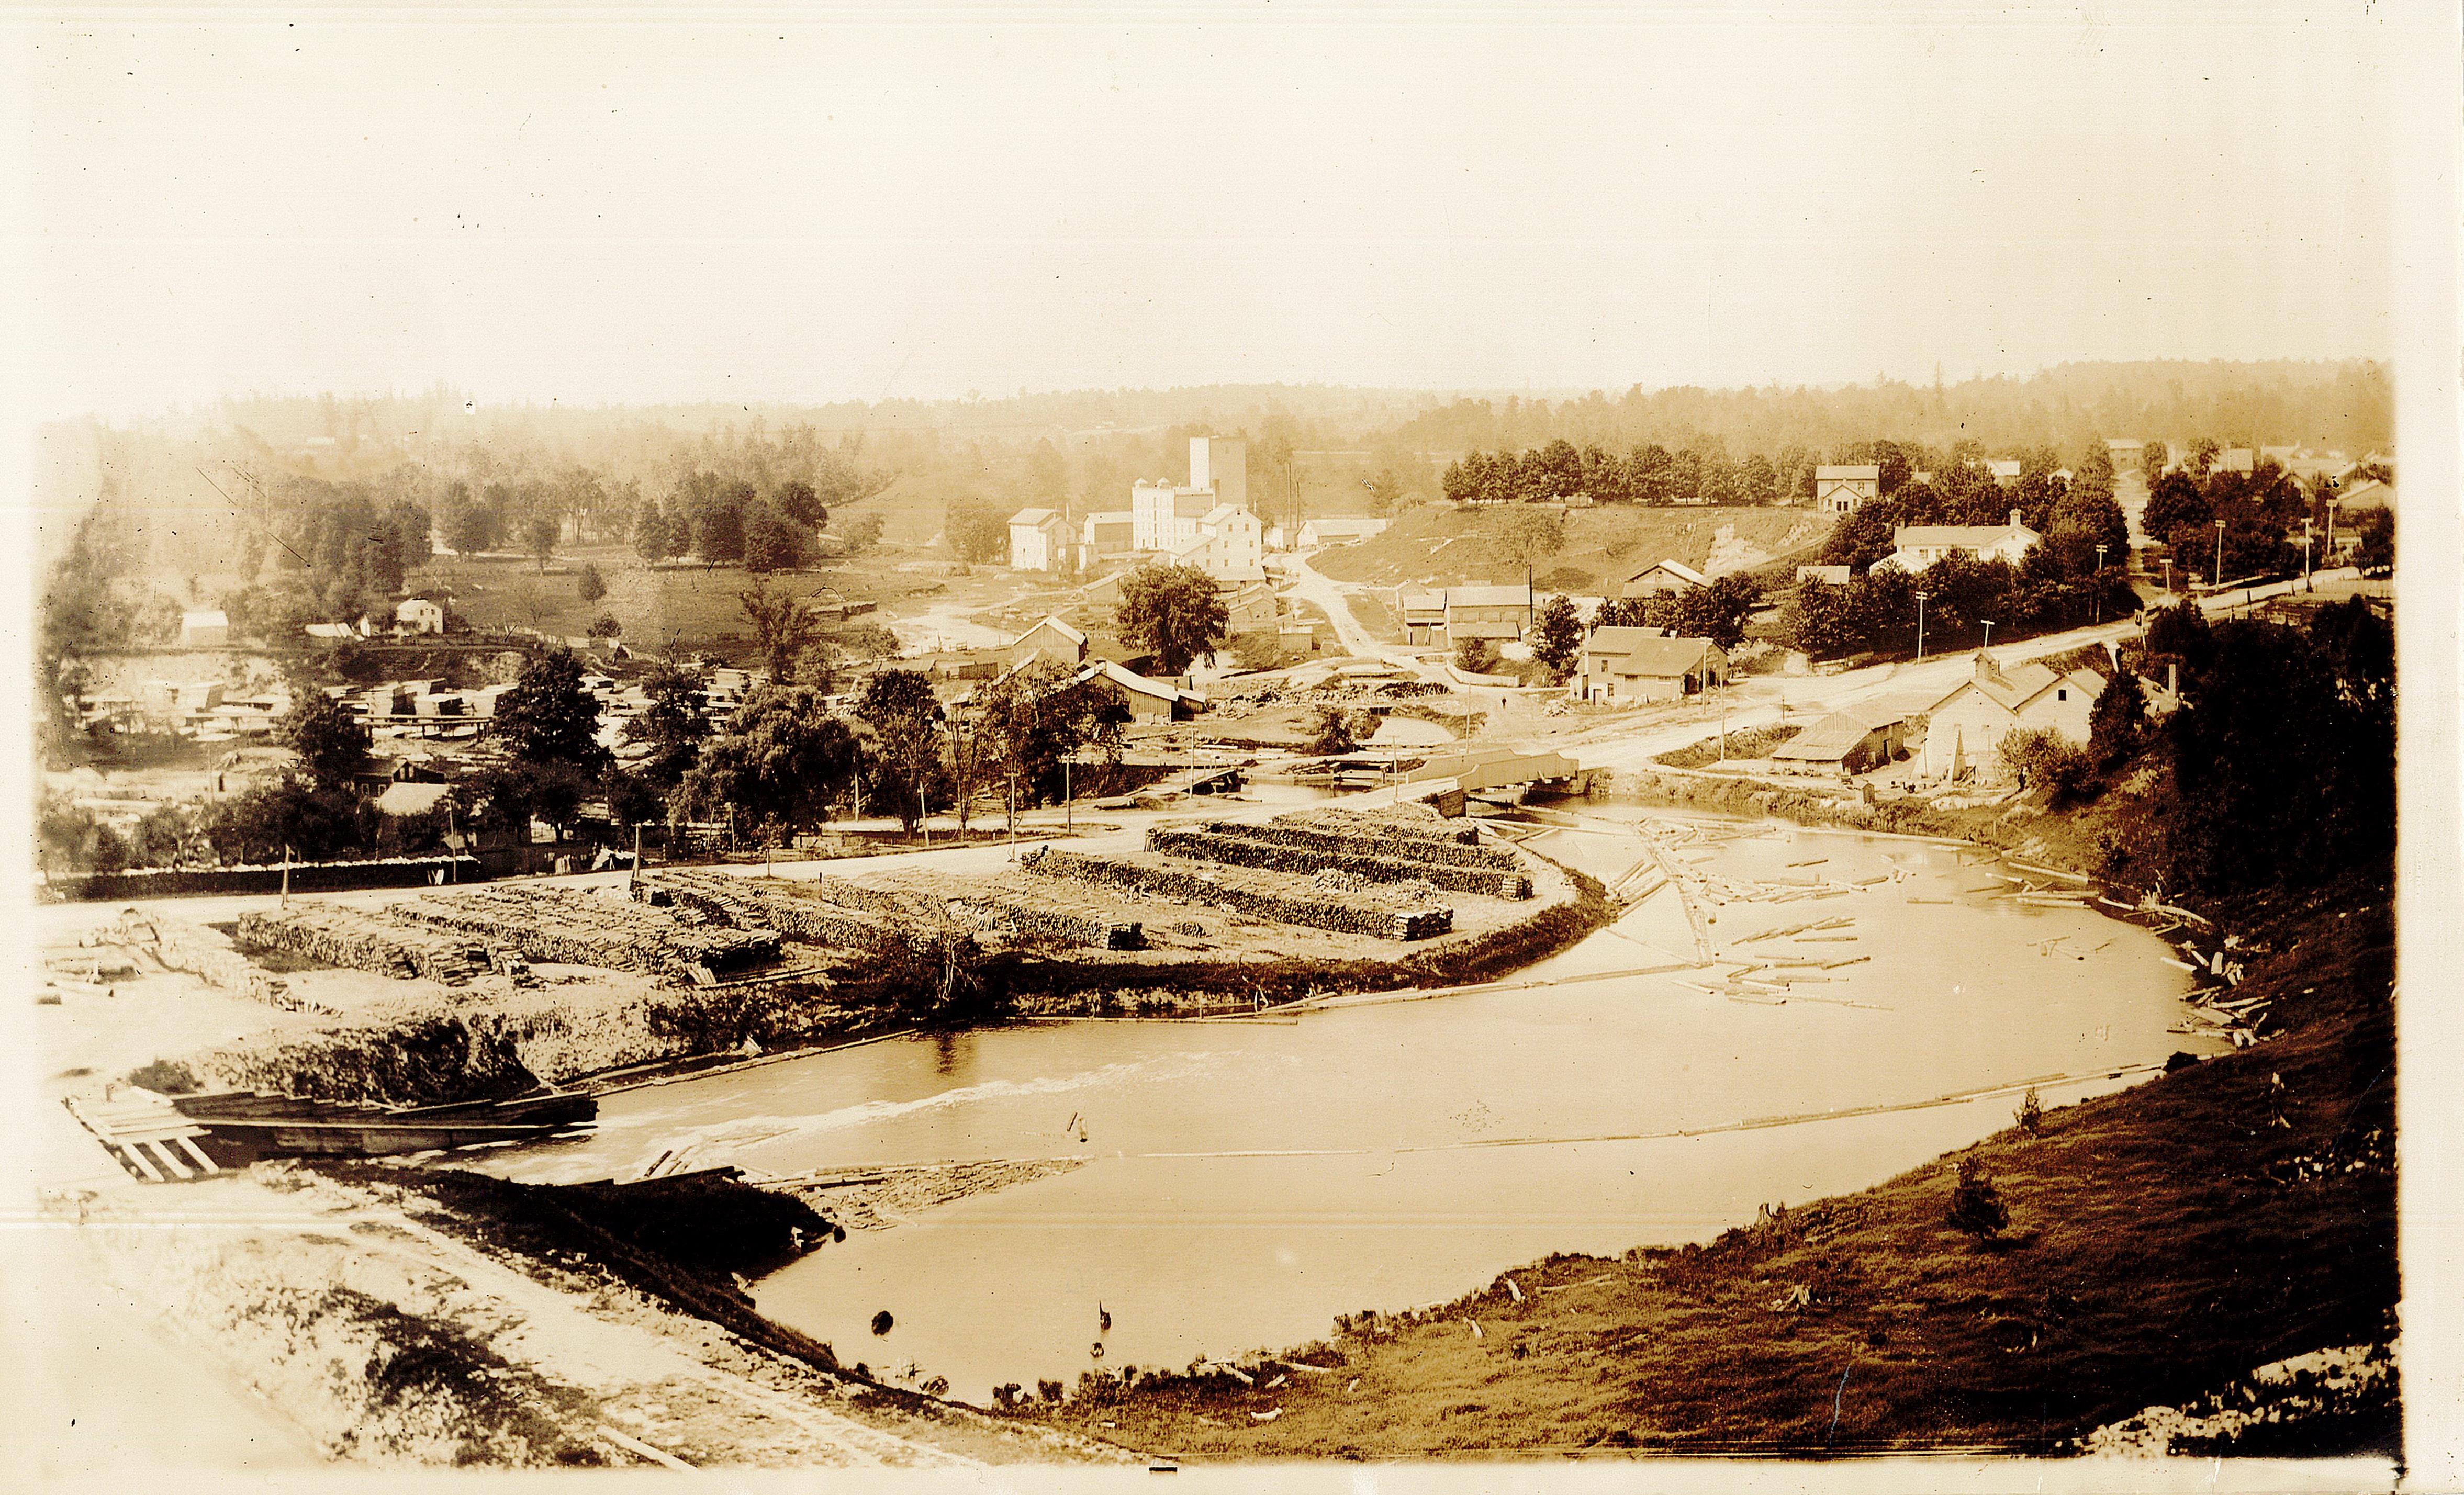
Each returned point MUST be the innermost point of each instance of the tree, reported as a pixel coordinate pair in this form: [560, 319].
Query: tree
[605, 626]
[784, 755]
[512, 795]
[976, 532]
[1475, 656]
[1758, 480]
[547, 716]
[2376, 552]
[588, 585]
[1173, 612]
[331, 742]
[1385, 491]
[671, 722]
[1977, 1206]
[540, 534]
[1557, 636]
[904, 716]
[1033, 720]
[470, 526]
[1337, 732]
[782, 628]
[2179, 635]
[2116, 720]
[656, 537]
[773, 541]
[862, 533]
[2175, 501]
[1531, 536]
[1718, 611]
[801, 504]
[2152, 461]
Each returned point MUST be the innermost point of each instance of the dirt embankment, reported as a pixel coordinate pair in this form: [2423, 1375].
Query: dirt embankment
[878, 1199]
[402, 1317]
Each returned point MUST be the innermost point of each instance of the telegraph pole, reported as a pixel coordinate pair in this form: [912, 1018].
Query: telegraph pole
[1921, 601]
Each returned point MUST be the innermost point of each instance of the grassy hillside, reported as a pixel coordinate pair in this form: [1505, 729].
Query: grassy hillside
[1452, 547]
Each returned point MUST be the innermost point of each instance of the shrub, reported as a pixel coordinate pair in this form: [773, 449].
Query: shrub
[1337, 732]
[2030, 1114]
[2040, 758]
[1475, 656]
[1977, 1206]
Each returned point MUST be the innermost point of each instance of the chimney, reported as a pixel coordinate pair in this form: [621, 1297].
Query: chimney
[2014, 518]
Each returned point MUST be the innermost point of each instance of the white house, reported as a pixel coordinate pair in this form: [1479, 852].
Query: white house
[1337, 530]
[1051, 639]
[1230, 545]
[1965, 729]
[420, 615]
[207, 628]
[1112, 532]
[1917, 546]
[1621, 665]
[1039, 541]
[1843, 488]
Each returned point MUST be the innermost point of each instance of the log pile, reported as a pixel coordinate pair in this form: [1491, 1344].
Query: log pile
[1043, 924]
[198, 951]
[723, 900]
[358, 940]
[1370, 841]
[1233, 848]
[1277, 896]
[578, 928]
[1416, 822]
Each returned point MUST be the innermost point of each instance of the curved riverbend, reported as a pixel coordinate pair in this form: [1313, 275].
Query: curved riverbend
[1246, 1181]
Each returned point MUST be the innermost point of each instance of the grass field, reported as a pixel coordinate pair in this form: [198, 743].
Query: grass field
[686, 607]
[2163, 1241]
[1456, 547]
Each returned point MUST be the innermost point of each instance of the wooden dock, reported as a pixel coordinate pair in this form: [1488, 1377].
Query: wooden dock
[146, 1134]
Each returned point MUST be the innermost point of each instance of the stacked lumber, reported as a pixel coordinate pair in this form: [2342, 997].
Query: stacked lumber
[1278, 896]
[1234, 849]
[202, 954]
[1046, 925]
[1370, 841]
[359, 940]
[1414, 822]
[578, 928]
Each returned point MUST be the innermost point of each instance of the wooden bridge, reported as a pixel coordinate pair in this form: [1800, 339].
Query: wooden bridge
[146, 1134]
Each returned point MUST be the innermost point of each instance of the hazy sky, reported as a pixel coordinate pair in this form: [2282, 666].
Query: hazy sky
[852, 203]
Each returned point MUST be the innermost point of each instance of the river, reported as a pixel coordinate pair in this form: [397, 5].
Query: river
[1246, 1180]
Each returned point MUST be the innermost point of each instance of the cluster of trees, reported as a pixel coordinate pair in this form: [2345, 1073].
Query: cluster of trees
[717, 519]
[2277, 767]
[1651, 474]
[2074, 514]
[2259, 509]
[1878, 611]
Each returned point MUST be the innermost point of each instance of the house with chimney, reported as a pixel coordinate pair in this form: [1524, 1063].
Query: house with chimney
[1965, 729]
[1915, 546]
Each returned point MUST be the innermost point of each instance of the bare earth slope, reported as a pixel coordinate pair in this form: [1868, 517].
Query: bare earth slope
[1447, 547]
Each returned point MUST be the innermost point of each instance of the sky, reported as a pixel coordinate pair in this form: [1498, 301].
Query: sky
[611, 205]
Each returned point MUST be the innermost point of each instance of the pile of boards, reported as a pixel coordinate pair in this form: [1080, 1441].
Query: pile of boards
[1381, 854]
[579, 928]
[1280, 897]
[361, 940]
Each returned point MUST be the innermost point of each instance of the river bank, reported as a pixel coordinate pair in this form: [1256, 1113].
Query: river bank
[2163, 1242]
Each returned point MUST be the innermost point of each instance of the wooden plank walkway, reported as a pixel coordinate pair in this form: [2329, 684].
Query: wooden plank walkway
[146, 1134]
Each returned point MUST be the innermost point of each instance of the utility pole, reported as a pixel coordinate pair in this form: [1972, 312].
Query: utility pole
[1921, 601]
[1989, 631]
[1013, 816]
[286, 875]
[633, 875]
[2168, 576]
[2100, 583]
[2306, 584]
[2220, 553]
[1068, 809]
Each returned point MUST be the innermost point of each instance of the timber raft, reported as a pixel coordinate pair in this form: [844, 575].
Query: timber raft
[166, 1139]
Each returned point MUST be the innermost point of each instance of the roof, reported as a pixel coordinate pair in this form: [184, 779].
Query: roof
[2014, 688]
[1964, 536]
[1222, 513]
[1828, 740]
[1490, 597]
[1421, 598]
[2234, 459]
[1056, 626]
[205, 617]
[2003, 467]
[1676, 568]
[404, 798]
[2366, 494]
[1035, 517]
[1647, 651]
[1129, 679]
[1837, 470]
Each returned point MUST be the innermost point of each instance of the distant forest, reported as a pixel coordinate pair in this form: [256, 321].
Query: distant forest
[207, 492]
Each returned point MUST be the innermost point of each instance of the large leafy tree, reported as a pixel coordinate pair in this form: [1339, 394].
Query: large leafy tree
[1557, 636]
[331, 742]
[783, 629]
[548, 717]
[976, 531]
[1035, 718]
[1173, 612]
[671, 723]
[771, 540]
[903, 719]
[783, 757]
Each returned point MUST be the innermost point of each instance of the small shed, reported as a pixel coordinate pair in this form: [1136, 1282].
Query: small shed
[206, 628]
[1845, 743]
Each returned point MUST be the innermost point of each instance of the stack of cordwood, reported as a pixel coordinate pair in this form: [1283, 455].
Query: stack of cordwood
[1282, 897]
[732, 902]
[1034, 923]
[358, 940]
[578, 929]
[1376, 840]
[1380, 860]
[200, 952]
[1416, 821]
